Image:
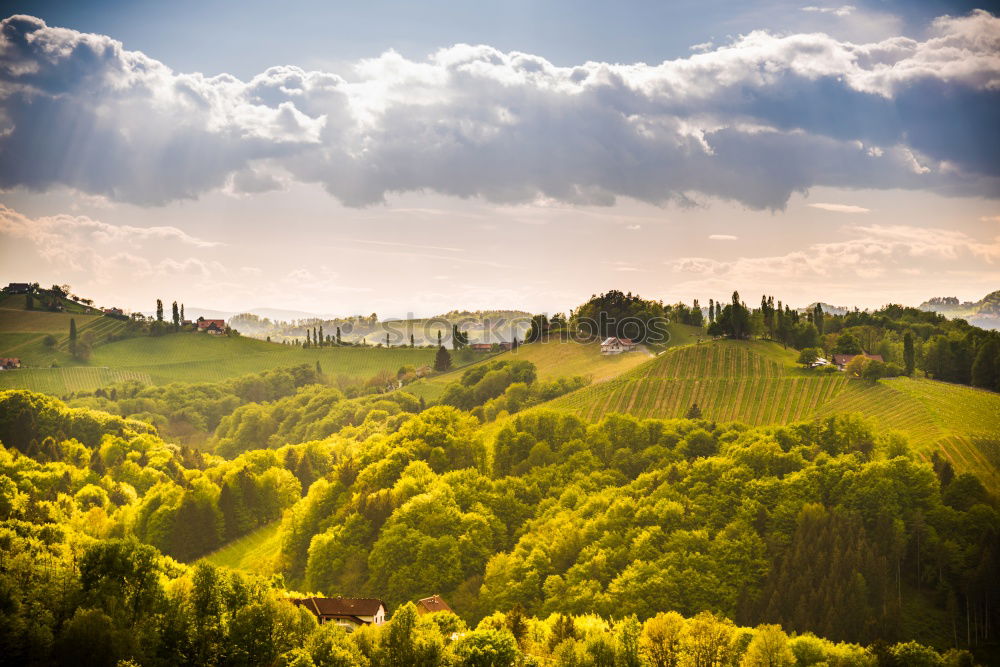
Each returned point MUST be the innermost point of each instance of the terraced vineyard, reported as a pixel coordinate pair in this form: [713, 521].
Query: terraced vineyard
[759, 383]
[729, 381]
[63, 381]
[962, 423]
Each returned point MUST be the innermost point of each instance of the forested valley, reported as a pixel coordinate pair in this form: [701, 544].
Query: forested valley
[622, 542]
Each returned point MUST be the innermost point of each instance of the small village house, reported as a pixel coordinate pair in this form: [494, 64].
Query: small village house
[481, 347]
[349, 613]
[841, 360]
[614, 345]
[432, 604]
[18, 288]
[215, 327]
[9, 363]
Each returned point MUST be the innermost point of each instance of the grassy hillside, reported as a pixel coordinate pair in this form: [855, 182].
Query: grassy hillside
[183, 357]
[192, 357]
[255, 552]
[759, 383]
[555, 359]
[962, 423]
[23, 334]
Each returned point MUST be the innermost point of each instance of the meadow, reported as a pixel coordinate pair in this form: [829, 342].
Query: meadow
[255, 552]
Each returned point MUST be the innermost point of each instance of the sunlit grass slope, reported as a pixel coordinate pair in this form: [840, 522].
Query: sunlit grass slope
[256, 552]
[555, 359]
[183, 357]
[192, 357]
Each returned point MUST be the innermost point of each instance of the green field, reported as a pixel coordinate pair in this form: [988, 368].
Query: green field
[555, 359]
[180, 357]
[759, 383]
[22, 335]
[193, 357]
[62, 381]
[255, 552]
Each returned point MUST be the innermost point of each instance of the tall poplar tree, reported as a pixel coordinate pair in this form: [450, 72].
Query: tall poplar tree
[159, 310]
[909, 356]
[72, 336]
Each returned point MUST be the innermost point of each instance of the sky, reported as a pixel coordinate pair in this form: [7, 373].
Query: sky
[418, 157]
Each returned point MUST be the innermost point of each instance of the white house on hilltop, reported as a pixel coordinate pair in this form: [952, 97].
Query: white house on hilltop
[613, 345]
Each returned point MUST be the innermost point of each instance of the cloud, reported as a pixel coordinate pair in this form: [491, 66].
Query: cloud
[703, 46]
[868, 251]
[753, 121]
[990, 218]
[723, 237]
[633, 228]
[843, 10]
[64, 236]
[103, 253]
[840, 208]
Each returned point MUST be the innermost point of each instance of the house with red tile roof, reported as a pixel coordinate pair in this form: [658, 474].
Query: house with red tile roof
[216, 327]
[432, 604]
[350, 613]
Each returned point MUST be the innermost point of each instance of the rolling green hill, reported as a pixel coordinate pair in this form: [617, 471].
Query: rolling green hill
[555, 359]
[184, 357]
[759, 383]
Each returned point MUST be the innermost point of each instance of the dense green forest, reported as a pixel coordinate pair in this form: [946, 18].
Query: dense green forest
[626, 541]
[540, 525]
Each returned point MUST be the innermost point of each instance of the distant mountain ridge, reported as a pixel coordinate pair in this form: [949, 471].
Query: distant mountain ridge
[984, 313]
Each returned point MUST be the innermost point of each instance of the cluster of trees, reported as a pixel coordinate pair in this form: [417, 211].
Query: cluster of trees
[119, 602]
[682, 314]
[313, 413]
[623, 315]
[189, 413]
[503, 388]
[159, 325]
[109, 476]
[907, 339]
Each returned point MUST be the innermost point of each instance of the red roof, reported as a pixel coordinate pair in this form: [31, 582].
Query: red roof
[205, 324]
[432, 604]
[341, 606]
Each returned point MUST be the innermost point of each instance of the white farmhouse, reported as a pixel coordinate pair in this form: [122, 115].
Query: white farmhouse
[613, 345]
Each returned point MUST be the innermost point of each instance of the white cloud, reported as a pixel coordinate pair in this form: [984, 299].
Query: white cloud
[840, 208]
[843, 10]
[471, 121]
[703, 46]
[868, 251]
[633, 228]
[70, 231]
[990, 218]
[723, 237]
